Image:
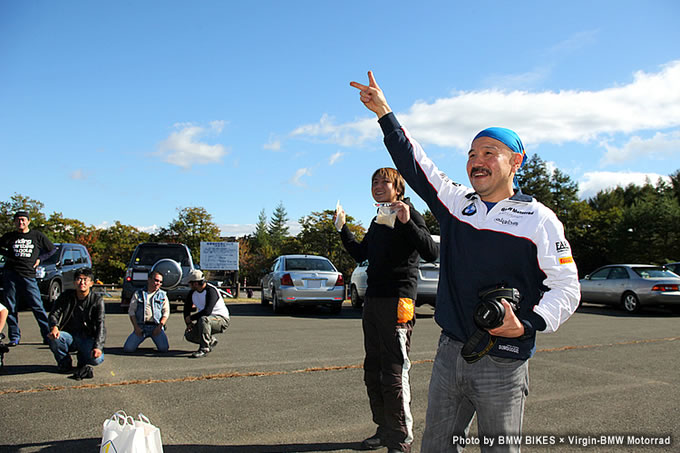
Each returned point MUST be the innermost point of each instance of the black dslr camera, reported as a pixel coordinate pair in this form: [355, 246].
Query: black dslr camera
[490, 311]
[489, 314]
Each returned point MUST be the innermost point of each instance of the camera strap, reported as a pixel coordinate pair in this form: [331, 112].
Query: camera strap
[468, 351]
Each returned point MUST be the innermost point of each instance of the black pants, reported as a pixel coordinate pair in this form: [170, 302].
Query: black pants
[386, 369]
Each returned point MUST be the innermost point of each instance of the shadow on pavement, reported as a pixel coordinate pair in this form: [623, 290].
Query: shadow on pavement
[147, 352]
[280, 448]
[57, 446]
[257, 309]
[93, 445]
[26, 369]
[618, 312]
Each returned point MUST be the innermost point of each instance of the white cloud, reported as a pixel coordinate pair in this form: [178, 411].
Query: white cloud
[273, 145]
[335, 157]
[184, 147]
[78, 174]
[296, 179]
[149, 229]
[650, 101]
[348, 134]
[660, 145]
[593, 182]
[239, 230]
[236, 229]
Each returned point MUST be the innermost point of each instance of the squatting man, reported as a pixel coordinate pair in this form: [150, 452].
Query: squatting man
[492, 236]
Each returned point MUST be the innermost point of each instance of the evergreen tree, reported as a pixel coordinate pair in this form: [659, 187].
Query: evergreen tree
[431, 222]
[278, 228]
[191, 227]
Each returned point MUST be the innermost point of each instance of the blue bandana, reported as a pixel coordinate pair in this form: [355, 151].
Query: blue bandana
[507, 137]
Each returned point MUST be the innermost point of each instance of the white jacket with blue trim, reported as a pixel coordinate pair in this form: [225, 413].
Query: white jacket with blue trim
[519, 243]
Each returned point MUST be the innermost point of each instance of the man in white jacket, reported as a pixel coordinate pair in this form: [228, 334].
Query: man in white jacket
[492, 236]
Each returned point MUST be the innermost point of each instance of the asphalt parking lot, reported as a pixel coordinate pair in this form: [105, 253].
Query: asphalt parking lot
[607, 381]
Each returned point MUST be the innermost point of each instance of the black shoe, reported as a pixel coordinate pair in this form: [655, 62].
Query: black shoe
[213, 343]
[65, 366]
[13, 343]
[372, 443]
[85, 372]
[200, 353]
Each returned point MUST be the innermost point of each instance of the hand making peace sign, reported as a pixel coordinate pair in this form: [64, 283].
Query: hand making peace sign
[372, 96]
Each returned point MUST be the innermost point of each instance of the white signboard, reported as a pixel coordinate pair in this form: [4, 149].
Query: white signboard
[219, 256]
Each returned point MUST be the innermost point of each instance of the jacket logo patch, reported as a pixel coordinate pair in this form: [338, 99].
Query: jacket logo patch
[509, 347]
[505, 221]
[566, 260]
[561, 246]
[470, 209]
[516, 211]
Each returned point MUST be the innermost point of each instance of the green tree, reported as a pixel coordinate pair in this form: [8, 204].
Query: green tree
[61, 229]
[278, 228]
[648, 231]
[675, 184]
[319, 236]
[19, 202]
[533, 178]
[192, 226]
[590, 235]
[431, 222]
[112, 250]
[564, 193]
[261, 235]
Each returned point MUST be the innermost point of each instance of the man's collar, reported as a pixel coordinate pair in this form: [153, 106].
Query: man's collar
[517, 196]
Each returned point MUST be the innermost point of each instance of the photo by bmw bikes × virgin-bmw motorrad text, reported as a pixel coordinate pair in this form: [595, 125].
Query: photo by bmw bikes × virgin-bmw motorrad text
[489, 314]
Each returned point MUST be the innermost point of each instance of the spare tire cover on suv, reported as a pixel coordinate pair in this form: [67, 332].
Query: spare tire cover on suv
[171, 272]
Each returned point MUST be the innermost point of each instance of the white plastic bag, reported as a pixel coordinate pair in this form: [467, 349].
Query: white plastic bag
[123, 434]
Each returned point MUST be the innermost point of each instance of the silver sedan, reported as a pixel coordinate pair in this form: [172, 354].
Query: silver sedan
[303, 279]
[632, 286]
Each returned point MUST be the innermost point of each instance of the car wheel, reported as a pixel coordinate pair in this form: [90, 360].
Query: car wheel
[54, 291]
[357, 302]
[263, 300]
[276, 305]
[631, 303]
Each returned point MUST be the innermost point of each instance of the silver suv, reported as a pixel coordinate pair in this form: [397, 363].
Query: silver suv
[428, 279]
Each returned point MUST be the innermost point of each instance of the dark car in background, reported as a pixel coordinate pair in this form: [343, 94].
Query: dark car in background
[632, 286]
[55, 274]
[172, 260]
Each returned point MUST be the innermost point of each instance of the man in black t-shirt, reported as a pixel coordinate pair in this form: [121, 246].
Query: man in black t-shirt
[24, 249]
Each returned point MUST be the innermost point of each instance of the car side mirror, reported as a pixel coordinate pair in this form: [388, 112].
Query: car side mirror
[587, 277]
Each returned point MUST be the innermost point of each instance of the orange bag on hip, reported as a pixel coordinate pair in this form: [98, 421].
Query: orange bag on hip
[405, 309]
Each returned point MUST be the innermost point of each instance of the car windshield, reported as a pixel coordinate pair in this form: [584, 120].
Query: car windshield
[653, 272]
[54, 258]
[149, 255]
[308, 264]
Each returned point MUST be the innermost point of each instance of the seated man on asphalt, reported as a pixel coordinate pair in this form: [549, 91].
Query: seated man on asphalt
[149, 311]
[77, 324]
[212, 316]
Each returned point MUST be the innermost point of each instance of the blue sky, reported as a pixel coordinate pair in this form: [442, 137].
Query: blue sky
[129, 111]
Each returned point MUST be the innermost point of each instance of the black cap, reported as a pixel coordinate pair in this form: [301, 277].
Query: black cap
[21, 214]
